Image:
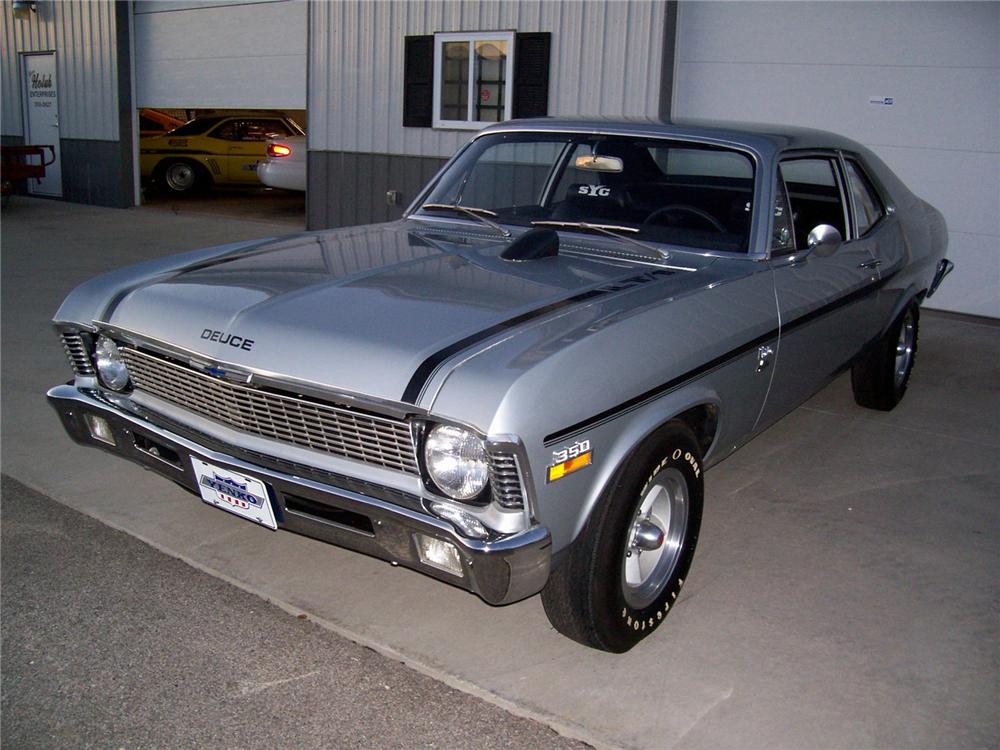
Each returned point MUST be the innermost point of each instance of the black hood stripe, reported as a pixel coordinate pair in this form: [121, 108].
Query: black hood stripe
[720, 361]
[423, 373]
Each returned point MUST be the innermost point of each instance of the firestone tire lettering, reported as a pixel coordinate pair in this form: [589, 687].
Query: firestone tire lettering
[584, 598]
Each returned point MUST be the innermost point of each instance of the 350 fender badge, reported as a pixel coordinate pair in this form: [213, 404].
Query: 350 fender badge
[228, 338]
[571, 458]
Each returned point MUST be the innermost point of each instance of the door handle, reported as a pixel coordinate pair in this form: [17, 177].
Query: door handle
[764, 354]
[870, 264]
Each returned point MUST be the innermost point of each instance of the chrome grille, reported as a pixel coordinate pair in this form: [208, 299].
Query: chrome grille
[76, 350]
[505, 480]
[341, 432]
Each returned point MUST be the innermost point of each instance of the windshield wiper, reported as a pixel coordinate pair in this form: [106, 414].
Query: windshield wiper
[612, 230]
[473, 211]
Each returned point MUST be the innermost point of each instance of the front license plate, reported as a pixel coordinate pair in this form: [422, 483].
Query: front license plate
[237, 493]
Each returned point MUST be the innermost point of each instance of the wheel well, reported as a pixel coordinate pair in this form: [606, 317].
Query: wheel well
[703, 420]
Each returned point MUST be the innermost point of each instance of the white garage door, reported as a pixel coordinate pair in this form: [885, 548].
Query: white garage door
[243, 54]
[918, 83]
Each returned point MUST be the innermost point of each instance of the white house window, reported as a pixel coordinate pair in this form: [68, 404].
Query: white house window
[473, 75]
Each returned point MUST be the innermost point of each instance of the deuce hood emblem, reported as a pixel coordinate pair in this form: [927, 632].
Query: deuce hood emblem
[227, 338]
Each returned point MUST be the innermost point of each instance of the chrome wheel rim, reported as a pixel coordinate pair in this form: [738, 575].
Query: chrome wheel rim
[180, 177]
[904, 348]
[654, 540]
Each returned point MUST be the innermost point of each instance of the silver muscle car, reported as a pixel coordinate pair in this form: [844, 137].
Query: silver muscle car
[518, 387]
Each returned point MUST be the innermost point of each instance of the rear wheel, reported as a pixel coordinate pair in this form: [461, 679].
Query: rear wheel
[182, 177]
[880, 377]
[623, 574]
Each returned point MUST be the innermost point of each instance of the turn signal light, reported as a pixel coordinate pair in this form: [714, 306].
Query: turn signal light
[558, 471]
[278, 149]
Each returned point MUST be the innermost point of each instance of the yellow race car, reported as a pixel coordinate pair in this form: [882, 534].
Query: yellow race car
[216, 150]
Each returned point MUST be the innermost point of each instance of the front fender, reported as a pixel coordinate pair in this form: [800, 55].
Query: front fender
[619, 441]
[96, 298]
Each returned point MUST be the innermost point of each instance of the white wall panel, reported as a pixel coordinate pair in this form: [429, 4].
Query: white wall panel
[605, 61]
[224, 55]
[972, 286]
[943, 34]
[961, 184]
[82, 33]
[817, 64]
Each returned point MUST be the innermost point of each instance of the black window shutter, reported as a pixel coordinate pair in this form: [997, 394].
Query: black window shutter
[418, 82]
[531, 74]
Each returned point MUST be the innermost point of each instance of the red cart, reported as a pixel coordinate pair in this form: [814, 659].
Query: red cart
[16, 164]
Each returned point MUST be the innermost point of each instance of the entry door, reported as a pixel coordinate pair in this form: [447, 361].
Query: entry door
[41, 117]
[827, 304]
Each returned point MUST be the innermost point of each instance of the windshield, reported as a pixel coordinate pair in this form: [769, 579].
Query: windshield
[675, 192]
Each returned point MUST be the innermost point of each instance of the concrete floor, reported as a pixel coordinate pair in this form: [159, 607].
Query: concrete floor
[844, 593]
[284, 207]
[175, 658]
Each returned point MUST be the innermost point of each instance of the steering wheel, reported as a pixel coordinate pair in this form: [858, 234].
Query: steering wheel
[684, 208]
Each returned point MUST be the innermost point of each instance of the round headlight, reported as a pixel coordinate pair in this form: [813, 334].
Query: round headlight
[110, 367]
[456, 461]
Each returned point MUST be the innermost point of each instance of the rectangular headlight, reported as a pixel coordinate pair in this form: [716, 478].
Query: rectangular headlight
[439, 554]
[99, 429]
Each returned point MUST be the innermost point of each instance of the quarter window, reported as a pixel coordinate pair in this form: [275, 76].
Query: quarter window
[473, 75]
[814, 195]
[782, 240]
[868, 208]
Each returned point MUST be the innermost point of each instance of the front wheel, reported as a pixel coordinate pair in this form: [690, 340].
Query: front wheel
[880, 377]
[624, 572]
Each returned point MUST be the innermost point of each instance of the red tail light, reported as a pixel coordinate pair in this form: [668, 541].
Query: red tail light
[278, 149]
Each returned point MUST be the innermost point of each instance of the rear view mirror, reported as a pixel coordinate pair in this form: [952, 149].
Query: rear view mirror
[824, 240]
[599, 163]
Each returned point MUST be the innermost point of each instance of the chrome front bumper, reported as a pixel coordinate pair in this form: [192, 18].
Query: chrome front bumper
[501, 570]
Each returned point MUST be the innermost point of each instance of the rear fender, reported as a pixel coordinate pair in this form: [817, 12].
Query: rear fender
[912, 294]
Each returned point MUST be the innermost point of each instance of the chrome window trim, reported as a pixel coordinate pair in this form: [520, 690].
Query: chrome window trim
[834, 155]
[877, 188]
[758, 188]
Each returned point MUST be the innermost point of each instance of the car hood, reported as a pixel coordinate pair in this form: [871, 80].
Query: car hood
[371, 310]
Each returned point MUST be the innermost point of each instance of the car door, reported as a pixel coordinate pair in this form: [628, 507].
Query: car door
[219, 141]
[826, 302]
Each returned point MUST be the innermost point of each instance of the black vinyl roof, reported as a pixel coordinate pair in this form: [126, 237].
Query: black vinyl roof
[763, 138]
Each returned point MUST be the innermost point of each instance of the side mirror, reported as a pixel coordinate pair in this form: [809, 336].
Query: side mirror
[824, 240]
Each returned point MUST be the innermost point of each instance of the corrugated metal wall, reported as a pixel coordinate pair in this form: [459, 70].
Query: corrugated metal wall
[605, 61]
[82, 33]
